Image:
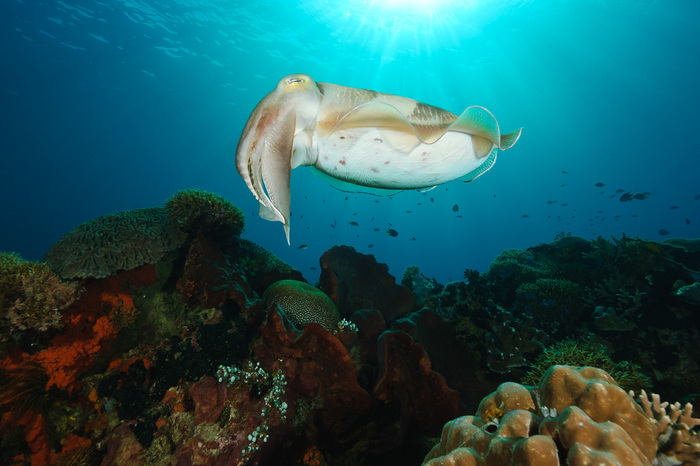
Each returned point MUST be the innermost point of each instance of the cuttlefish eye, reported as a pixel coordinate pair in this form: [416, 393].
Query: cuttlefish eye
[294, 80]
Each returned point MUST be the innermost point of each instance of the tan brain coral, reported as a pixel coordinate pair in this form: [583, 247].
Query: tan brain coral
[303, 303]
[578, 415]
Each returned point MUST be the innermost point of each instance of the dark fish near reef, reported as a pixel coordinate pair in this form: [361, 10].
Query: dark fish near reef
[303, 246]
[626, 197]
[455, 208]
[391, 232]
[353, 223]
[370, 245]
[663, 232]
[687, 221]
[599, 184]
[642, 196]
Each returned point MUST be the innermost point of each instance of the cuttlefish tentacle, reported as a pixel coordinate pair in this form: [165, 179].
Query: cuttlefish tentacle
[360, 138]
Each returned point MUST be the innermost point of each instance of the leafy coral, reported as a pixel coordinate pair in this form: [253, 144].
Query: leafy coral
[576, 353]
[194, 208]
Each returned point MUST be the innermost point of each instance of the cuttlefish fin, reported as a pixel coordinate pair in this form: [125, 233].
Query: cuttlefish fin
[352, 187]
[275, 171]
[483, 127]
[483, 168]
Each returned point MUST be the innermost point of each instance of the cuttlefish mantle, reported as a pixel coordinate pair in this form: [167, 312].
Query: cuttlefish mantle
[359, 140]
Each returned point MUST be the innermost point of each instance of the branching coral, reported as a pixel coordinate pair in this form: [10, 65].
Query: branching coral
[677, 438]
[573, 353]
[31, 295]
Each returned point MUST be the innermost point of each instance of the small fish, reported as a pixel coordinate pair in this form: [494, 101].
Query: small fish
[599, 184]
[312, 268]
[697, 197]
[303, 246]
[376, 229]
[564, 172]
[663, 232]
[618, 191]
[674, 207]
[346, 198]
[353, 223]
[687, 221]
[626, 197]
[642, 196]
[551, 202]
[393, 233]
[432, 199]
[455, 208]
[376, 201]
[409, 211]
[370, 245]
[524, 215]
[413, 238]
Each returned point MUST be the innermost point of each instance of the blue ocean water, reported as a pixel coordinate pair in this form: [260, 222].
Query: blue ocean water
[110, 106]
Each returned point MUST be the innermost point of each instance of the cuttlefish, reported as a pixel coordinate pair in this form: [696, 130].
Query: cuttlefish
[359, 140]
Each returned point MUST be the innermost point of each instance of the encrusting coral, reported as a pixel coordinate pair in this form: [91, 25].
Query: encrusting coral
[576, 415]
[123, 241]
[303, 303]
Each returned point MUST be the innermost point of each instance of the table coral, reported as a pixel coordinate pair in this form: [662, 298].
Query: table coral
[105, 245]
[577, 414]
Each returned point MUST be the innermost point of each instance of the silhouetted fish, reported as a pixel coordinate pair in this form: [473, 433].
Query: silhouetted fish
[673, 207]
[697, 197]
[626, 197]
[642, 196]
[432, 199]
[687, 221]
[564, 172]
[455, 208]
[376, 229]
[618, 191]
[599, 184]
[524, 215]
[370, 245]
[663, 232]
[353, 223]
[303, 246]
[392, 232]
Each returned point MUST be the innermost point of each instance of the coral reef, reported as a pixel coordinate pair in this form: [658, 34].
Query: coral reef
[191, 345]
[123, 241]
[579, 415]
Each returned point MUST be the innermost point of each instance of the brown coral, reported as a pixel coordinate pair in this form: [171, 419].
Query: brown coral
[577, 414]
[123, 241]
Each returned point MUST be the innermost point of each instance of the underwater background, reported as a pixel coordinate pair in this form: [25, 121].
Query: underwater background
[110, 106]
[149, 316]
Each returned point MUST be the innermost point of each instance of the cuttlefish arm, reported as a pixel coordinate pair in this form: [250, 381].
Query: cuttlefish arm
[267, 144]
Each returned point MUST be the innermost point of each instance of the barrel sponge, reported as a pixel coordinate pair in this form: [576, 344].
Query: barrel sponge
[194, 208]
[123, 241]
[303, 303]
[576, 415]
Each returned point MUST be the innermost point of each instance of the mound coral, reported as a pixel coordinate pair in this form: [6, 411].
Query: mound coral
[303, 303]
[194, 209]
[576, 415]
[123, 241]
[31, 295]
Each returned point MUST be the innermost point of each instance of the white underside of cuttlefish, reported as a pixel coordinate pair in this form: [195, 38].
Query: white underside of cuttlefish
[359, 140]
